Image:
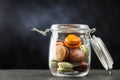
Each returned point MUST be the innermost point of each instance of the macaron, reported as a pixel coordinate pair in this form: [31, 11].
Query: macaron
[82, 67]
[63, 70]
[65, 67]
[61, 53]
[72, 41]
[53, 64]
[59, 43]
[85, 50]
[79, 69]
[76, 55]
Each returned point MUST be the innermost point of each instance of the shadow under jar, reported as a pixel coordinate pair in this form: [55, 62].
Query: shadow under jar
[70, 51]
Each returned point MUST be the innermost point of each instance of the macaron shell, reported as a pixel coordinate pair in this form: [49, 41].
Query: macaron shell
[72, 46]
[60, 52]
[73, 37]
[82, 67]
[67, 54]
[65, 65]
[59, 43]
[76, 55]
[72, 41]
[79, 69]
[64, 70]
[85, 50]
[53, 64]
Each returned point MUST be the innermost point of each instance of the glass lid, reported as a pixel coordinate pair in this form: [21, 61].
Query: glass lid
[102, 52]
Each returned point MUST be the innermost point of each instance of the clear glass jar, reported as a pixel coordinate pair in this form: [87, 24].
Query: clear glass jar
[70, 51]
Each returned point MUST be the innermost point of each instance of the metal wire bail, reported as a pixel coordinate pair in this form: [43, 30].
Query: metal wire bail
[91, 31]
[44, 33]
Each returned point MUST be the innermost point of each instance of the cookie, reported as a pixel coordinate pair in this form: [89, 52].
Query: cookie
[53, 64]
[72, 41]
[59, 43]
[82, 67]
[76, 55]
[63, 70]
[65, 67]
[61, 53]
[85, 50]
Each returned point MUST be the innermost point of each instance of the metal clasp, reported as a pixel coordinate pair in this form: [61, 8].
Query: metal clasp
[44, 33]
[91, 31]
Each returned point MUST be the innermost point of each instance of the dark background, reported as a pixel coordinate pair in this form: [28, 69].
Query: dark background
[22, 49]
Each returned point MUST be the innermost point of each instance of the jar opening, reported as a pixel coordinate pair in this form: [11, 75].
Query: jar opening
[70, 28]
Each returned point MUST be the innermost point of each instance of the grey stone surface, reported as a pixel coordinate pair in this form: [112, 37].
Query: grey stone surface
[46, 75]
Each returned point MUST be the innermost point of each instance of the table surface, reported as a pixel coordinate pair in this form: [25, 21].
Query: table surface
[46, 75]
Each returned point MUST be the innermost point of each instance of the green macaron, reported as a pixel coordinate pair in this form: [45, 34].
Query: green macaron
[65, 67]
[53, 64]
[62, 70]
[85, 50]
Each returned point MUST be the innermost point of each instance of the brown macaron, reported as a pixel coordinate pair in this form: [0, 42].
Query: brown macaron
[79, 69]
[61, 53]
[82, 67]
[59, 43]
[76, 55]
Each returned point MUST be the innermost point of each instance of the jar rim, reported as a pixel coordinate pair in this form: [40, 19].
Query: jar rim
[70, 27]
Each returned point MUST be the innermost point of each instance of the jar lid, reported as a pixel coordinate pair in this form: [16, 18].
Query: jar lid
[68, 28]
[102, 52]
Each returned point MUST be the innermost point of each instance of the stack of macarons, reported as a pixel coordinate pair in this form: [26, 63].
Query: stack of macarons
[70, 52]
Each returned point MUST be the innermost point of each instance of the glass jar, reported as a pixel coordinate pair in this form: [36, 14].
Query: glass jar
[70, 51]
